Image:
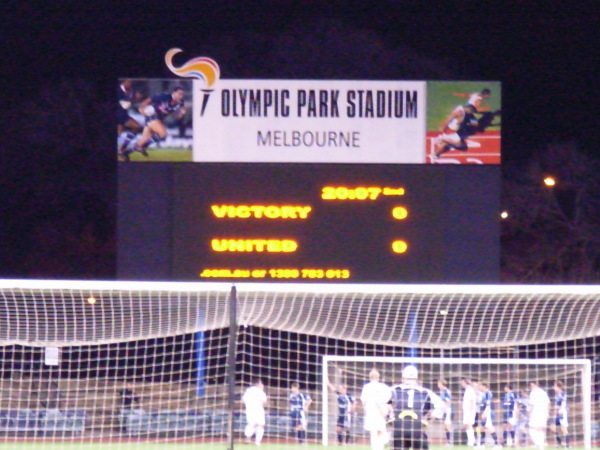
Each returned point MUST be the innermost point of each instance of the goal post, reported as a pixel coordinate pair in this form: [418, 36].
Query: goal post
[352, 371]
[71, 350]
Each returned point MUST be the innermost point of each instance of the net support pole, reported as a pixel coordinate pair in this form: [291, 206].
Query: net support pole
[325, 403]
[412, 351]
[587, 403]
[231, 358]
[199, 348]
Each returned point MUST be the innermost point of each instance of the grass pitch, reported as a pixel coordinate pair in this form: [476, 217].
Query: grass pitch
[163, 154]
[142, 445]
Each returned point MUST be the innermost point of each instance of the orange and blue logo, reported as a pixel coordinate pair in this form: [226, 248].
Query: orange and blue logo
[200, 68]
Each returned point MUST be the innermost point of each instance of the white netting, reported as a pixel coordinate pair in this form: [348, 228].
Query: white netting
[387, 315]
[169, 343]
[497, 373]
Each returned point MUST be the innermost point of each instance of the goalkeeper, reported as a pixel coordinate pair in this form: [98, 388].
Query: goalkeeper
[411, 404]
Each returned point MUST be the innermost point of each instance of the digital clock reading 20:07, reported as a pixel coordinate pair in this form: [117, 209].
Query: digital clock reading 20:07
[312, 223]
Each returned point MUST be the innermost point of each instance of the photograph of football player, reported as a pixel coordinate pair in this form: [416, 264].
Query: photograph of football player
[166, 123]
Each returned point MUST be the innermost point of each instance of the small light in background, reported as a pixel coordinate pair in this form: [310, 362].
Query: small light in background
[504, 214]
[549, 181]
[91, 300]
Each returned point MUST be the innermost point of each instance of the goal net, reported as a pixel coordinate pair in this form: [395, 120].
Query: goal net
[137, 363]
[500, 375]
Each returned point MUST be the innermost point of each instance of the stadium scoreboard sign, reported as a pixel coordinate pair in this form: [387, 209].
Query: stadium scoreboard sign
[306, 222]
[304, 180]
[312, 121]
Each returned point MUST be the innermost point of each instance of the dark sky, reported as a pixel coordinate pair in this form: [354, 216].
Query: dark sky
[543, 55]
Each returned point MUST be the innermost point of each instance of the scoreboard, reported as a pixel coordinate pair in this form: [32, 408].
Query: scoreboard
[338, 223]
[328, 181]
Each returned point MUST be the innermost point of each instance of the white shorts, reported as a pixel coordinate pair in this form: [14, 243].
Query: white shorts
[488, 422]
[450, 138]
[468, 417]
[375, 421]
[448, 416]
[563, 421]
[255, 417]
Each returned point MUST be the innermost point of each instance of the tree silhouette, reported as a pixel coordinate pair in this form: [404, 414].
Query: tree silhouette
[551, 233]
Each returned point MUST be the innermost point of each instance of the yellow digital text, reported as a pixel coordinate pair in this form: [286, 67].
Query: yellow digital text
[261, 211]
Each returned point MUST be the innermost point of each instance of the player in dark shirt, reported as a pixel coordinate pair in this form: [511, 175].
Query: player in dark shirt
[128, 400]
[412, 404]
[346, 406]
[486, 415]
[299, 403]
[155, 109]
[128, 397]
[561, 422]
[509, 415]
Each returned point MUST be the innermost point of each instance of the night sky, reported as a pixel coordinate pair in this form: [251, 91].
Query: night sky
[544, 56]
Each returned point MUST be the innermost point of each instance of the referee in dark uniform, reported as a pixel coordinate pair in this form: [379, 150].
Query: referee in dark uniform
[411, 404]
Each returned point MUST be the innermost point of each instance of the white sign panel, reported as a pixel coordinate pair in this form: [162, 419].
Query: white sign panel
[51, 356]
[308, 121]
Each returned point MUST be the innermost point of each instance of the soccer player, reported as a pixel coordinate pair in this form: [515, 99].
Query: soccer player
[375, 398]
[523, 417]
[129, 403]
[486, 415]
[411, 404]
[346, 407]
[299, 403]
[128, 397]
[156, 109]
[469, 410]
[539, 405]
[255, 400]
[446, 397]
[509, 415]
[561, 422]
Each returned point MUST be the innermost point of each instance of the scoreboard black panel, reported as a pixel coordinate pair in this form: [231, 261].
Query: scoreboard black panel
[325, 223]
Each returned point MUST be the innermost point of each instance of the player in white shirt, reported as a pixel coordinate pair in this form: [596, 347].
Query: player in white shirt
[255, 400]
[375, 398]
[522, 418]
[477, 425]
[469, 410]
[453, 130]
[539, 408]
